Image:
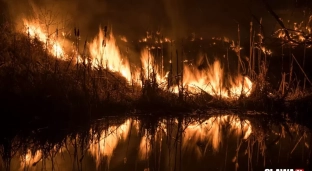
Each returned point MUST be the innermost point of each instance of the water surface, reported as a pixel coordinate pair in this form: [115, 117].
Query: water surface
[217, 141]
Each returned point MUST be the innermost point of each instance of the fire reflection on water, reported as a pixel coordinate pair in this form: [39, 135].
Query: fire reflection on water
[103, 143]
[193, 135]
[107, 141]
[211, 130]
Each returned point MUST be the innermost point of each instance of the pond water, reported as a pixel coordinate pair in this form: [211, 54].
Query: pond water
[168, 143]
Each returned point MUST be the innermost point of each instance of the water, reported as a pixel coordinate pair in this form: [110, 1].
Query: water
[148, 143]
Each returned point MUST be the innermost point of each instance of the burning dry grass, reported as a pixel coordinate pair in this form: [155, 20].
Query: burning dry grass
[62, 83]
[104, 54]
[41, 92]
[212, 82]
[47, 84]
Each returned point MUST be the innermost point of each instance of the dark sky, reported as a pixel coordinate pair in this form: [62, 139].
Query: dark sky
[175, 18]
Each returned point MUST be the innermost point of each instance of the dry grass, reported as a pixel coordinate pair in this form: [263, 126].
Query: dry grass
[39, 92]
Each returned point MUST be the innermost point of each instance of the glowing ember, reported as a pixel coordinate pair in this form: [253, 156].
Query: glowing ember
[299, 33]
[123, 38]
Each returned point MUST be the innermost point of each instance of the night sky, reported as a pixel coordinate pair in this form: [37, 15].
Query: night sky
[176, 19]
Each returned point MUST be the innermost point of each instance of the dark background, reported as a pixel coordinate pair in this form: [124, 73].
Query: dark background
[175, 18]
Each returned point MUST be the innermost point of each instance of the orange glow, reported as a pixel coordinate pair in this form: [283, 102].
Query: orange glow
[54, 46]
[212, 82]
[210, 131]
[145, 146]
[30, 158]
[105, 53]
[108, 141]
[149, 66]
[300, 32]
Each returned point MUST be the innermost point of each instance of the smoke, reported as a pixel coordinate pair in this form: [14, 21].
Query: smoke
[173, 10]
[132, 18]
[176, 19]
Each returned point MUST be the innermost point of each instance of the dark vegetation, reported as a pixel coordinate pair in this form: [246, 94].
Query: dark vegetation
[44, 100]
[39, 90]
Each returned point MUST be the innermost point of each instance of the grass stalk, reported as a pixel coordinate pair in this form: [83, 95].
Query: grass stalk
[238, 50]
[303, 65]
[306, 77]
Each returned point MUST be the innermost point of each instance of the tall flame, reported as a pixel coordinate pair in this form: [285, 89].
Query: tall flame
[150, 66]
[212, 82]
[105, 53]
[54, 47]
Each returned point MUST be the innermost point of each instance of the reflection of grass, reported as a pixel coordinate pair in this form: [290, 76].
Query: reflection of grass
[169, 136]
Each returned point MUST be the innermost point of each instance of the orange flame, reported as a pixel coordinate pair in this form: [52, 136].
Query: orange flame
[105, 53]
[54, 46]
[211, 81]
[150, 66]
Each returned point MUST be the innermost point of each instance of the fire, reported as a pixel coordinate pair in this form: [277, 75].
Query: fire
[300, 32]
[105, 53]
[150, 66]
[123, 38]
[53, 46]
[212, 82]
